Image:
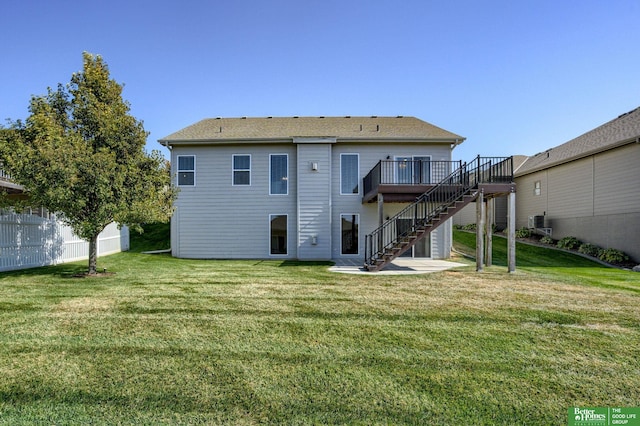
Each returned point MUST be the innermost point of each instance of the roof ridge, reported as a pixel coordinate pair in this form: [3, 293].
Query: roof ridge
[353, 128]
[621, 130]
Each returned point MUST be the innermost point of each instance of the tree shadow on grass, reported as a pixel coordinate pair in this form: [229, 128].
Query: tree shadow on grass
[67, 270]
[294, 263]
[289, 263]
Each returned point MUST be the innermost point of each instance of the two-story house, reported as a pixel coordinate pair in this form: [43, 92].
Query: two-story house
[307, 188]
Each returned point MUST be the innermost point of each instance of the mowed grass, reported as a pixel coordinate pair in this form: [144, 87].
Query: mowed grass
[172, 341]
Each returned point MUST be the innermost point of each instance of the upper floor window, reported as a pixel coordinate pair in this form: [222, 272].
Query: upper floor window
[349, 174]
[186, 170]
[279, 175]
[241, 169]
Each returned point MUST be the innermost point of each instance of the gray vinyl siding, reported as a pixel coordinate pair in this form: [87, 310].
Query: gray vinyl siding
[501, 212]
[215, 219]
[527, 203]
[314, 201]
[595, 199]
[467, 215]
[441, 241]
[617, 181]
[369, 156]
[599, 185]
[572, 193]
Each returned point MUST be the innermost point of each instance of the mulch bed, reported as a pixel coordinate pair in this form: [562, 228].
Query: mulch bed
[535, 239]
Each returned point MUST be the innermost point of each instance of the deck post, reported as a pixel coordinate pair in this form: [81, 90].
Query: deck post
[480, 219]
[489, 231]
[380, 242]
[511, 226]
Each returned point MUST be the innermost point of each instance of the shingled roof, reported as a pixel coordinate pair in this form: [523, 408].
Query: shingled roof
[621, 131]
[271, 129]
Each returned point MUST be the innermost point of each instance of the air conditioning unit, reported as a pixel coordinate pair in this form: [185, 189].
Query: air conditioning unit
[536, 222]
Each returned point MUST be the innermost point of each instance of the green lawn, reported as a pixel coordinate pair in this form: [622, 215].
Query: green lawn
[170, 341]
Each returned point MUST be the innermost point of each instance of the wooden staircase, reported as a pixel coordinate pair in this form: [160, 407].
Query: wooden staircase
[433, 208]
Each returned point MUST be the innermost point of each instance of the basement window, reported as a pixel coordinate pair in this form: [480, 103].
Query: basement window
[349, 233]
[278, 233]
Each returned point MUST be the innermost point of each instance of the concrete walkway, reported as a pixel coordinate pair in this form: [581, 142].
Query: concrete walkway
[400, 266]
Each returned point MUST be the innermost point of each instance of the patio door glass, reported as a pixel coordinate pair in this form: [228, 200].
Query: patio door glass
[404, 170]
[413, 170]
[422, 248]
[422, 170]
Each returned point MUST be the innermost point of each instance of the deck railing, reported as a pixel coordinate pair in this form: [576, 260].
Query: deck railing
[427, 207]
[407, 172]
[492, 169]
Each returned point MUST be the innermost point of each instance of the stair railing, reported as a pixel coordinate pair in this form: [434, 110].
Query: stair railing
[417, 214]
[429, 205]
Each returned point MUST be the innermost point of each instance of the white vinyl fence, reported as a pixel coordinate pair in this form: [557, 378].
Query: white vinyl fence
[28, 241]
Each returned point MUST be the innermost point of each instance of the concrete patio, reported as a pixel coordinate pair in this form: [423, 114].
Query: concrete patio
[400, 266]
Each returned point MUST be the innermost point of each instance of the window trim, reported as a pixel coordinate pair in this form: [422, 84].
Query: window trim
[271, 216]
[342, 253]
[287, 175]
[234, 170]
[357, 173]
[178, 170]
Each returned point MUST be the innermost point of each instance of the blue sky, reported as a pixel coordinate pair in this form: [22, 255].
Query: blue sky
[512, 76]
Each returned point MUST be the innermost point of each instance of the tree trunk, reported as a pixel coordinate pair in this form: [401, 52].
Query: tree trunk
[93, 255]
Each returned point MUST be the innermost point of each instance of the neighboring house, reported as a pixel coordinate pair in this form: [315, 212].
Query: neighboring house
[588, 188]
[36, 238]
[307, 188]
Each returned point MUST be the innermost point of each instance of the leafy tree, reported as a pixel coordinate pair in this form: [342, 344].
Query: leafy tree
[81, 154]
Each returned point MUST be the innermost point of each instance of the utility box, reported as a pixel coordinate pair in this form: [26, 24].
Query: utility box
[536, 222]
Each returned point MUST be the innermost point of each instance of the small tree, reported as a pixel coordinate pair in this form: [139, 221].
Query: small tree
[81, 154]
